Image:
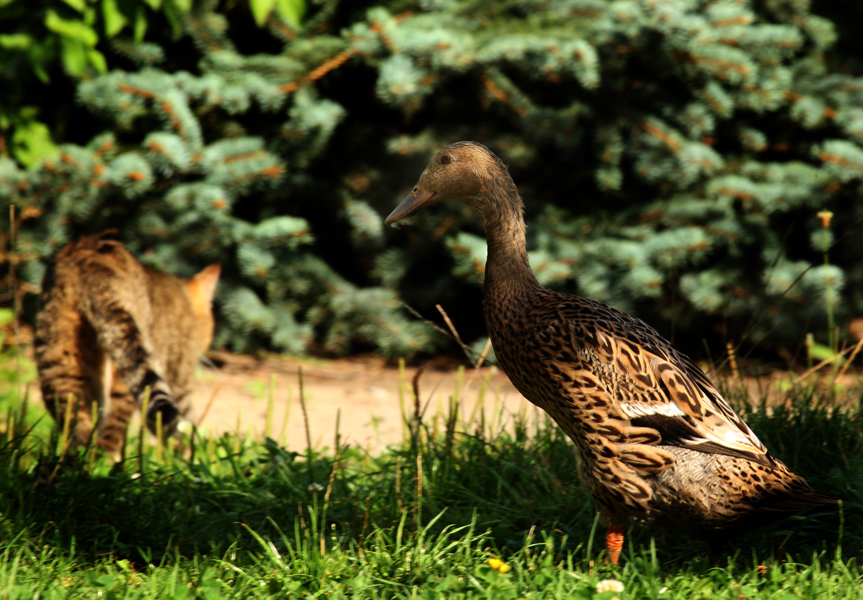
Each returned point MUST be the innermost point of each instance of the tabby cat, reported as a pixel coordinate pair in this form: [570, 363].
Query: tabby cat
[109, 329]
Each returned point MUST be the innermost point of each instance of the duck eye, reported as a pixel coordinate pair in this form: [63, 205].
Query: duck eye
[446, 159]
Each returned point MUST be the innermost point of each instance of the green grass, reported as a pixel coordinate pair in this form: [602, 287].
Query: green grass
[243, 518]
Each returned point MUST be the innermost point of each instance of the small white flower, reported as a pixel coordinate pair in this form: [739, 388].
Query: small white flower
[609, 585]
[663, 590]
[315, 487]
[185, 427]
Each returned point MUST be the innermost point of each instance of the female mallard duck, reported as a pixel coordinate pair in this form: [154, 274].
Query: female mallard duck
[658, 442]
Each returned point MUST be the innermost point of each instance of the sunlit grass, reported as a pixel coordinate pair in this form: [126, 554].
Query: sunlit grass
[437, 516]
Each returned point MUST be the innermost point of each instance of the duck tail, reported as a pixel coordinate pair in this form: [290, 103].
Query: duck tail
[799, 501]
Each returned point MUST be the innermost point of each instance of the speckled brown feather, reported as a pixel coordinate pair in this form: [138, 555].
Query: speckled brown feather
[109, 329]
[657, 440]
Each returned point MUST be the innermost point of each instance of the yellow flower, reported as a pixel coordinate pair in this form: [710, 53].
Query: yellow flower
[498, 565]
[825, 216]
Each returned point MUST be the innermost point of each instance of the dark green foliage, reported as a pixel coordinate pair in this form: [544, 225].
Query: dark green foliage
[673, 155]
[42, 40]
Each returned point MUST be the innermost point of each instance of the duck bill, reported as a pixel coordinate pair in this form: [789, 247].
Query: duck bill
[418, 198]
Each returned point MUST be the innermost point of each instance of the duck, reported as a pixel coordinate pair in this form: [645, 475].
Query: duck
[658, 442]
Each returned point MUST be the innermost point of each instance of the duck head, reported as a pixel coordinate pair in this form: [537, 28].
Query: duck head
[467, 172]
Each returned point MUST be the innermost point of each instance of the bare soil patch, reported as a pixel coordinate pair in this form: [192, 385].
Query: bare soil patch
[362, 393]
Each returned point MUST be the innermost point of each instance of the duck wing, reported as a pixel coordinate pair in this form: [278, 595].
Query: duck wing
[659, 387]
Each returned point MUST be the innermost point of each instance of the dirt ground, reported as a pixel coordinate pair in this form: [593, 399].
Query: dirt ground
[362, 393]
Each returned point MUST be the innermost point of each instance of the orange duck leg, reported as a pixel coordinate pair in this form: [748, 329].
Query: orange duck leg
[614, 542]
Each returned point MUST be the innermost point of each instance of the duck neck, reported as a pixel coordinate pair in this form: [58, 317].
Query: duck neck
[507, 268]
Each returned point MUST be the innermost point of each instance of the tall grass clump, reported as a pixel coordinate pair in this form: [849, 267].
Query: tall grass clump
[472, 504]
